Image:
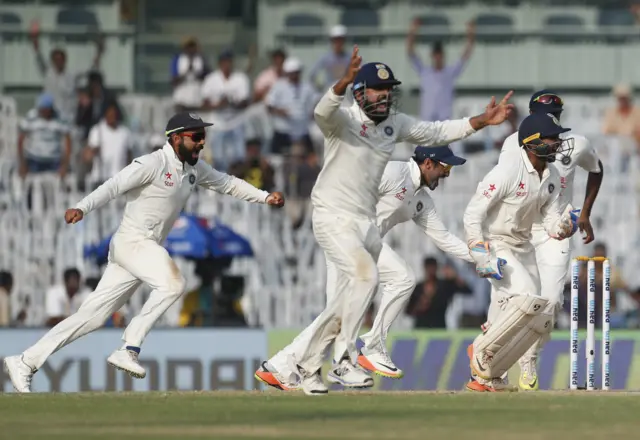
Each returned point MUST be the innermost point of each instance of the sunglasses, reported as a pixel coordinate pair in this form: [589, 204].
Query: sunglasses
[195, 137]
[446, 166]
[549, 99]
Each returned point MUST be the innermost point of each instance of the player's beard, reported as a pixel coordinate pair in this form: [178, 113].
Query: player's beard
[188, 155]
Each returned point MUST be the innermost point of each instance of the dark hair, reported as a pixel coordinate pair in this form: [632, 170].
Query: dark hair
[6, 279]
[57, 51]
[278, 53]
[600, 244]
[430, 261]
[71, 272]
[95, 76]
[437, 47]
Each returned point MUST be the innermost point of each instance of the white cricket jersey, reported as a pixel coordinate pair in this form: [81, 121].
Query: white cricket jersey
[403, 198]
[157, 186]
[583, 156]
[357, 150]
[510, 198]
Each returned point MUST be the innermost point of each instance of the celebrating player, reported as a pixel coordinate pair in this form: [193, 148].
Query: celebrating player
[553, 256]
[359, 140]
[498, 223]
[156, 187]
[403, 197]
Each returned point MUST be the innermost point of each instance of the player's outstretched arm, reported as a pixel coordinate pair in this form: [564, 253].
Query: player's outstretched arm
[444, 132]
[138, 173]
[326, 113]
[223, 183]
[431, 224]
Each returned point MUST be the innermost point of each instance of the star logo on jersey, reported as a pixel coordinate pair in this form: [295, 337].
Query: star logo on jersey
[363, 132]
[168, 181]
[521, 192]
[492, 187]
[400, 195]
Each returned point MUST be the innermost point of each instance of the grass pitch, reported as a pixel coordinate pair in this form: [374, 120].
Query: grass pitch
[358, 415]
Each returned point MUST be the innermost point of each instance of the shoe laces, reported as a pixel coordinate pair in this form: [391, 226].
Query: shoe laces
[529, 368]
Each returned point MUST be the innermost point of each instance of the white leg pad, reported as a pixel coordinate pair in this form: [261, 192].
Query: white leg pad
[544, 337]
[517, 314]
[539, 327]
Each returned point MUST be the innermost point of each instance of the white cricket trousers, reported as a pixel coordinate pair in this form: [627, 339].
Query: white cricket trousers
[132, 260]
[352, 245]
[397, 281]
[520, 275]
[553, 258]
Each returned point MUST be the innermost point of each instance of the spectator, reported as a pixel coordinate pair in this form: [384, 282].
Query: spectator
[624, 119]
[188, 69]
[111, 142]
[437, 83]
[301, 172]
[291, 102]
[334, 63]
[6, 284]
[44, 142]
[431, 298]
[93, 102]
[254, 168]
[267, 78]
[64, 300]
[58, 81]
[226, 94]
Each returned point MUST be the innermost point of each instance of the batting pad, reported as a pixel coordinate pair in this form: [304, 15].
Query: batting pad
[520, 310]
[537, 330]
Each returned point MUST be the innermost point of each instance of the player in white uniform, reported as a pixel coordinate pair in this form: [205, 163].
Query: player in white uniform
[156, 187]
[403, 197]
[498, 220]
[553, 256]
[359, 140]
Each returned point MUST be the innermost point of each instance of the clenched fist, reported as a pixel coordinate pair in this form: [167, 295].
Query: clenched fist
[275, 199]
[73, 215]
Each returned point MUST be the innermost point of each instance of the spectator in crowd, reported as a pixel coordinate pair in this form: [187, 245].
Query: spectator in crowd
[624, 118]
[254, 168]
[431, 298]
[6, 284]
[58, 81]
[291, 102]
[64, 300]
[267, 78]
[188, 69]
[334, 63]
[437, 82]
[93, 102]
[110, 144]
[301, 172]
[44, 142]
[226, 94]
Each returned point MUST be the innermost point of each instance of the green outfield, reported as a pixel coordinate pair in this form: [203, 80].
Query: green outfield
[359, 415]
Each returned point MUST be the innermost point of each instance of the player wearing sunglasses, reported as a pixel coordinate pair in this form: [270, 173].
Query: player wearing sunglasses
[403, 197]
[553, 256]
[156, 187]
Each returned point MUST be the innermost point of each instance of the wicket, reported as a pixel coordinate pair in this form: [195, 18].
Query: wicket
[591, 322]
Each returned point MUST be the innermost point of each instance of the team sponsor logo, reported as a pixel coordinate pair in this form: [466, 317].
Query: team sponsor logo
[167, 179]
[400, 195]
[363, 132]
[521, 192]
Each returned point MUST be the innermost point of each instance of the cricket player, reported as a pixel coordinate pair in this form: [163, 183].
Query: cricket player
[553, 256]
[403, 197]
[498, 221]
[156, 187]
[359, 140]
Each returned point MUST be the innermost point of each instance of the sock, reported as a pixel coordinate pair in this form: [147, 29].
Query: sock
[132, 348]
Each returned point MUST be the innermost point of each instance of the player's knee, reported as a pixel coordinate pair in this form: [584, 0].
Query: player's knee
[366, 270]
[177, 285]
[408, 283]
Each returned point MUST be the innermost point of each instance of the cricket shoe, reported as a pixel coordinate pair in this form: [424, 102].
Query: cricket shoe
[528, 375]
[479, 363]
[19, 372]
[349, 376]
[379, 363]
[270, 376]
[310, 383]
[495, 385]
[127, 361]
